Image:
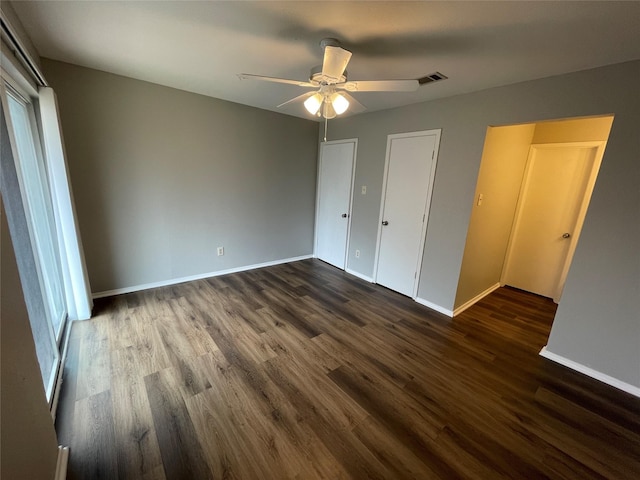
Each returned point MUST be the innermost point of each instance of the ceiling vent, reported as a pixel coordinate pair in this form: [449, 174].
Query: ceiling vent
[434, 77]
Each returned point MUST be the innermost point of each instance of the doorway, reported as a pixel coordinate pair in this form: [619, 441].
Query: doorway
[504, 169]
[407, 185]
[333, 213]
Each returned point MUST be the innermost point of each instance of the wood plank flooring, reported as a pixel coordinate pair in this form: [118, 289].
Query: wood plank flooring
[301, 371]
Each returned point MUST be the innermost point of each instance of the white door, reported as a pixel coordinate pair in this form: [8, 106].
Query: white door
[409, 174]
[553, 200]
[335, 180]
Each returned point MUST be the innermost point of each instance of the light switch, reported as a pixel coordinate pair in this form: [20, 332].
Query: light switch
[480, 198]
[364, 190]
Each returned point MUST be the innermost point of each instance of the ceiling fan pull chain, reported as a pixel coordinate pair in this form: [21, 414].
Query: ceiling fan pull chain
[325, 128]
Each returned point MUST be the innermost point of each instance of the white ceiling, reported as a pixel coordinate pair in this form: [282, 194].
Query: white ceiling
[202, 46]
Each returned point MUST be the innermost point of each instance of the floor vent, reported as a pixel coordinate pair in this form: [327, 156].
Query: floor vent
[434, 77]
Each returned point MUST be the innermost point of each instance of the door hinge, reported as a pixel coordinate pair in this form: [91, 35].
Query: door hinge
[433, 154]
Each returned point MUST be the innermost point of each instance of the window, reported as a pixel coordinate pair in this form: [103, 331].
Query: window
[27, 198]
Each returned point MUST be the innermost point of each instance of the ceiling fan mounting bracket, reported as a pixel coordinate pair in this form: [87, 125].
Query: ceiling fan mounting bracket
[330, 42]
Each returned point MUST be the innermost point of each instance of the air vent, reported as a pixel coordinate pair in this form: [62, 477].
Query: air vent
[434, 77]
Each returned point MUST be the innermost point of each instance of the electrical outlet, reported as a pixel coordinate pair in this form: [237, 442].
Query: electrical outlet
[220, 251]
[357, 253]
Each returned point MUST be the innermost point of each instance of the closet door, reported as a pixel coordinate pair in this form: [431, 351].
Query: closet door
[333, 215]
[408, 181]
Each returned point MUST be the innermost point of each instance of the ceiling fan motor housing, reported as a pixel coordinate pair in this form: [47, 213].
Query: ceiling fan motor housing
[317, 76]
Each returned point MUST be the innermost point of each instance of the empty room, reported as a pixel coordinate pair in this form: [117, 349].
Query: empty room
[320, 240]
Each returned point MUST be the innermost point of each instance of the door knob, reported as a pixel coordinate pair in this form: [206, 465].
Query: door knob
[344, 215]
[385, 223]
[566, 235]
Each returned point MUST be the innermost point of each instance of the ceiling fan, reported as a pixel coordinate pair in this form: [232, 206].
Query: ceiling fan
[331, 85]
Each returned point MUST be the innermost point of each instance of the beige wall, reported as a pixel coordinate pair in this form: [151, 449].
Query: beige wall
[27, 437]
[573, 130]
[503, 162]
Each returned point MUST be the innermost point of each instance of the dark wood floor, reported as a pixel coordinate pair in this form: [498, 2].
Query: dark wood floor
[302, 371]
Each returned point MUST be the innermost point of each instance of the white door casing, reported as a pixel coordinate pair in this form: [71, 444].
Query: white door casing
[333, 204]
[407, 186]
[554, 197]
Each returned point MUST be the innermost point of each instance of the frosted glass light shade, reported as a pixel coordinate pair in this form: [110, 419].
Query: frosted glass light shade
[313, 103]
[328, 111]
[340, 104]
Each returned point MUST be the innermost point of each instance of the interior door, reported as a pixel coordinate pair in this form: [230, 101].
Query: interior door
[335, 180]
[553, 200]
[410, 169]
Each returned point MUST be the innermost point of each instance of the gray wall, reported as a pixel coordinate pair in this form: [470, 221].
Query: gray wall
[597, 323]
[162, 177]
[29, 448]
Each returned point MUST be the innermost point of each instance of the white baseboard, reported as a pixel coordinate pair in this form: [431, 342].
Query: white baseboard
[433, 306]
[590, 372]
[359, 275]
[61, 465]
[175, 281]
[476, 299]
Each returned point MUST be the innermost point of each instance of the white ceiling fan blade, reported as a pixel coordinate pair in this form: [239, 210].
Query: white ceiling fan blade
[381, 86]
[299, 98]
[249, 76]
[354, 105]
[335, 62]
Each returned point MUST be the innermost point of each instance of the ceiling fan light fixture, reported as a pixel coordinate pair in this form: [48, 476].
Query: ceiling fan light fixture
[339, 103]
[328, 111]
[313, 103]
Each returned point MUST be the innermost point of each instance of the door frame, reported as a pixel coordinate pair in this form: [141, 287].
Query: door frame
[318, 190]
[600, 146]
[427, 207]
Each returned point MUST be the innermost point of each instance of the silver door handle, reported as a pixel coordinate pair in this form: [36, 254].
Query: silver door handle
[344, 215]
[385, 223]
[566, 235]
